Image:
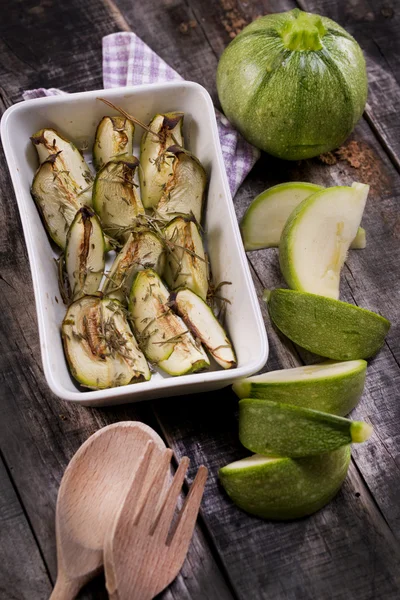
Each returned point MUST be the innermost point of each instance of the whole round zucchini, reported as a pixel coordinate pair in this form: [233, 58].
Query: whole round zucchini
[294, 84]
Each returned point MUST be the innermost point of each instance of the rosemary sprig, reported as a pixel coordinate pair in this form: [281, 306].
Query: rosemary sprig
[130, 117]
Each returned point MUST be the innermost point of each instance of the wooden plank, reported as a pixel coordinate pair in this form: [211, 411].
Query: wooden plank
[40, 433]
[23, 574]
[246, 544]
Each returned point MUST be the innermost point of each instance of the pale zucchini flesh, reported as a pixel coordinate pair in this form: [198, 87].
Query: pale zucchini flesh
[156, 327]
[56, 200]
[264, 220]
[84, 254]
[113, 138]
[183, 194]
[99, 345]
[155, 162]
[142, 250]
[48, 142]
[115, 198]
[317, 236]
[187, 357]
[204, 326]
[186, 262]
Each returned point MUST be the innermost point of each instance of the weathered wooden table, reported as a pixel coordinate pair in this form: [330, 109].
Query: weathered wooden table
[350, 548]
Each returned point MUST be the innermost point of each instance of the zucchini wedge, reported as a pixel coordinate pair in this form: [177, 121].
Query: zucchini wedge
[156, 327]
[200, 320]
[56, 199]
[115, 198]
[187, 357]
[84, 254]
[186, 263]
[183, 193]
[48, 142]
[99, 345]
[142, 250]
[155, 162]
[113, 138]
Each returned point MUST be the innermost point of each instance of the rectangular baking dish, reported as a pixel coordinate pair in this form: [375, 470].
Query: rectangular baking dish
[76, 116]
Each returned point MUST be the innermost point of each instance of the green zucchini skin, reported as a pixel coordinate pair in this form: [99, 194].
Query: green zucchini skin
[293, 103]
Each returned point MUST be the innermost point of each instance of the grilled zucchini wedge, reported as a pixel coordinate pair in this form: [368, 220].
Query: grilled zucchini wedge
[113, 139]
[99, 345]
[156, 163]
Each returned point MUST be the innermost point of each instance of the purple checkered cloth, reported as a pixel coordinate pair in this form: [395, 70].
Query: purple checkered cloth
[127, 61]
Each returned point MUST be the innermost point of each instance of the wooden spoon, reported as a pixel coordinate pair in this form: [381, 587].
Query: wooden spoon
[92, 490]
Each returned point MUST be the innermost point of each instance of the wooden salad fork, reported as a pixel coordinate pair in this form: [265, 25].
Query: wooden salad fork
[144, 550]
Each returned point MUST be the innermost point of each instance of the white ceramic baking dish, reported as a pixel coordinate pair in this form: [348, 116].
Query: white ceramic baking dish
[76, 116]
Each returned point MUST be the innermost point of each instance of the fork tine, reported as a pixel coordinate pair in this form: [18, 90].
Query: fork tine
[163, 522]
[182, 532]
[150, 503]
[130, 502]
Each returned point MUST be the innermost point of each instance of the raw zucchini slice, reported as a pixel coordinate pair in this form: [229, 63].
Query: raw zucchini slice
[186, 263]
[114, 138]
[115, 198]
[264, 220]
[48, 142]
[155, 162]
[99, 345]
[285, 488]
[333, 387]
[317, 236]
[201, 321]
[183, 193]
[84, 254]
[327, 327]
[142, 250]
[276, 429]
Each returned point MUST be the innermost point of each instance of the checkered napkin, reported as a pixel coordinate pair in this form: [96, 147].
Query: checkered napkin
[129, 61]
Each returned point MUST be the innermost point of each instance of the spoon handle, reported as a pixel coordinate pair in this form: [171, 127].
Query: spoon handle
[66, 589]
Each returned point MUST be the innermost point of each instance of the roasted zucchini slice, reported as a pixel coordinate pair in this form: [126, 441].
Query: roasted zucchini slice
[113, 138]
[99, 345]
[56, 199]
[200, 320]
[115, 198]
[156, 327]
[187, 357]
[84, 254]
[48, 142]
[183, 193]
[186, 262]
[155, 162]
[142, 250]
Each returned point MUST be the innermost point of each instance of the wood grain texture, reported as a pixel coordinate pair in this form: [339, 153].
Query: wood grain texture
[145, 548]
[345, 551]
[22, 572]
